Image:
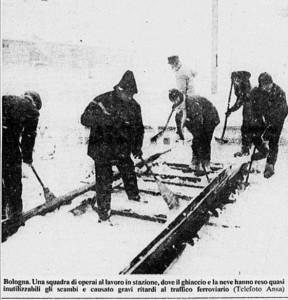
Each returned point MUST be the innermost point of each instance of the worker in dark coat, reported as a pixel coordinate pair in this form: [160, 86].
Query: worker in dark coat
[116, 131]
[19, 127]
[270, 109]
[242, 88]
[201, 120]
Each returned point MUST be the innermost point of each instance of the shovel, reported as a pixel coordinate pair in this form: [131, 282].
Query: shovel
[253, 153]
[222, 140]
[49, 196]
[250, 167]
[160, 133]
[168, 196]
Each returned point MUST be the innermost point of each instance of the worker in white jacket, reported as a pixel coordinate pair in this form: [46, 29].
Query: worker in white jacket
[184, 76]
[184, 82]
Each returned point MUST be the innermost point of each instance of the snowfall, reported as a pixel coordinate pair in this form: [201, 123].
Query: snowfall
[249, 238]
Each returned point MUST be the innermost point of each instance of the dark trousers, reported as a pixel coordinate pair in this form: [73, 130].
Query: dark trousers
[272, 135]
[247, 136]
[201, 144]
[104, 179]
[11, 188]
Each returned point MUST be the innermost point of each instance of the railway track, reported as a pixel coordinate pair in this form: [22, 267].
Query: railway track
[11, 226]
[198, 199]
[167, 245]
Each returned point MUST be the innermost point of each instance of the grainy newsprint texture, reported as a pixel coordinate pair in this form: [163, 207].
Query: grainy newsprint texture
[144, 149]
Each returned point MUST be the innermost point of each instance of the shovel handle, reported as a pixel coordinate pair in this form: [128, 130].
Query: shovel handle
[146, 165]
[169, 117]
[160, 133]
[205, 171]
[228, 106]
[250, 166]
[37, 176]
[254, 150]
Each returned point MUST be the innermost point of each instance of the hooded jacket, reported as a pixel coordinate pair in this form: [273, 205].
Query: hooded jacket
[242, 93]
[19, 123]
[115, 131]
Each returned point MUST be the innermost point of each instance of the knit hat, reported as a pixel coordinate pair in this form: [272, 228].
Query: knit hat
[35, 97]
[173, 59]
[174, 94]
[241, 75]
[128, 83]
[264, 78]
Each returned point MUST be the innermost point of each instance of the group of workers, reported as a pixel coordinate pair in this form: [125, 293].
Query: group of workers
[264, 112]
[117, 131]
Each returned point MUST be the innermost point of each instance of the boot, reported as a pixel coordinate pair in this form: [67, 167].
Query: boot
[269, 170]
[105, 222]
[104, 216]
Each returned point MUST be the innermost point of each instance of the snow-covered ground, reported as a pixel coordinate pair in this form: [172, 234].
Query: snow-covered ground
[250, 237]
[256, 221]
[68, 240]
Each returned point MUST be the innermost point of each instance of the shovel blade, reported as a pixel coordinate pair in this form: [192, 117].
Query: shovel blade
[155, 138]
[49, 196]
[79, 210]
[83, 207]
[168, 196]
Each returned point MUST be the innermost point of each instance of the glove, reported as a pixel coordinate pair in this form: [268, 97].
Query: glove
[228, 113]
[138, 154]
[28, 161]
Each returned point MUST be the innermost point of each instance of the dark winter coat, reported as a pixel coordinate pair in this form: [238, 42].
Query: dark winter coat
[117, 131]
[242, 94]
[19, 123]
[269, 108]
[201, 114]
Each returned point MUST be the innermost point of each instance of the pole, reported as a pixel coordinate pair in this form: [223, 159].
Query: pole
[214, 47]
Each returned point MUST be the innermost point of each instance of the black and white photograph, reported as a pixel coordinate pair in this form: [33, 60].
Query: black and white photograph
[144, 149]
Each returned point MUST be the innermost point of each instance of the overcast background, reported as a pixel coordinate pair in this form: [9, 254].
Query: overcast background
[252, 36]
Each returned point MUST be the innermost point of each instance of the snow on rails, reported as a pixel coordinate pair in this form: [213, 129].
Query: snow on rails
[198, 200]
